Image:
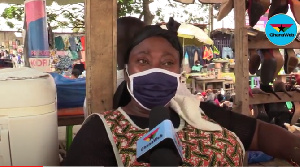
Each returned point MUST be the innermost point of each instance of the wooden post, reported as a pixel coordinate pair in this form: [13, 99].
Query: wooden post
[241, 102]
[211, 17]
[101, 41]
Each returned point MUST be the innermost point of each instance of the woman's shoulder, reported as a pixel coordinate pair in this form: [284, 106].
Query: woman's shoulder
[99, 117]
[93, 121]
[91, 138]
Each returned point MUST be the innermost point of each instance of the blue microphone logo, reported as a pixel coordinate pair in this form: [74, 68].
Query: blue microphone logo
[151, 135]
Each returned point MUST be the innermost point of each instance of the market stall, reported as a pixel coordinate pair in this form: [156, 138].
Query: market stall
[101, 58]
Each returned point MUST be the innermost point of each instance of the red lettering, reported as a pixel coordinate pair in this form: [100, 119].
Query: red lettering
[32, 62]
[44, 62]
[40, 53]
[38, 62]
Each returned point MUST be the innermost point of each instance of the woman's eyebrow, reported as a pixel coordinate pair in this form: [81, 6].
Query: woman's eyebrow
[141, 53]
[165, 54]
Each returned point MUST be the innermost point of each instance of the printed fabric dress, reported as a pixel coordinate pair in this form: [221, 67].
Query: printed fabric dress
[200, 148]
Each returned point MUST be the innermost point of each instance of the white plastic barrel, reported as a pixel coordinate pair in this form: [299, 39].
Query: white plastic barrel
[28, 118]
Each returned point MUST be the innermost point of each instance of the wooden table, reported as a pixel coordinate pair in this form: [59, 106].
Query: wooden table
[192, 76]
[69, 117]
[195, 81]
[203, 82]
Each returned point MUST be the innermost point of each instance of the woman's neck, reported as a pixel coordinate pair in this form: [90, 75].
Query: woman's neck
[133, 108]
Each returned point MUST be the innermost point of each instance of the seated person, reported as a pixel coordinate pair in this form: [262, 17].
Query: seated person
[80, 67]
[197, 67]
[75, 73]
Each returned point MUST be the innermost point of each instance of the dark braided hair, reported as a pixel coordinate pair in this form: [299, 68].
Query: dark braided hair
[156, 31]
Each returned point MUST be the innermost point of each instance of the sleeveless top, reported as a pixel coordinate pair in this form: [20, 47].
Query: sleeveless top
[200, 148]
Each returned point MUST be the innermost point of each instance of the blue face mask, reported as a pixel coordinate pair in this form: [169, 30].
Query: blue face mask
[153, 87]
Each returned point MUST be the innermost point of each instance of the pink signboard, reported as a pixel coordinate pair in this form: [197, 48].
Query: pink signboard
[37, 35]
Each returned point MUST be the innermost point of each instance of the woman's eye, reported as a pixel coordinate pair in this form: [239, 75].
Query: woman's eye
[168, 63]
[143, 61]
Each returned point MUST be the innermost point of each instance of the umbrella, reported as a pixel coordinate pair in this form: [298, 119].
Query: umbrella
[189, 40]
[201, 1]
[49, 2]
[185, 1]
[191, 35]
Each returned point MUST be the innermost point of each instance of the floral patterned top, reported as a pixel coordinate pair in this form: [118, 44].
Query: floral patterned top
[200, 148]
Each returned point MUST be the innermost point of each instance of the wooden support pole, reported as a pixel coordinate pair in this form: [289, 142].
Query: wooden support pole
[266, 44]
[101, 41]
[211, 18]
[270, 98]
[241, 102]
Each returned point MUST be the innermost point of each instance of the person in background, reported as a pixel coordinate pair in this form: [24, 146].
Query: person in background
[80, 67]
[210, 96]
[197, 66]
[6, 54]
[75, 73]
[204, 95]
[2, 54]
[200, 97]
[14, 59]
[19, 59]
[219, 99]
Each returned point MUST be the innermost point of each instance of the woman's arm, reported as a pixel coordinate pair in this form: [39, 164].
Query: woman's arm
[256, 134]
[243, 126]
[276, 141]
[91, 146]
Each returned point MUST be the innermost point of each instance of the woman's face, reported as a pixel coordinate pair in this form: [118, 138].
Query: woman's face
[153, 52]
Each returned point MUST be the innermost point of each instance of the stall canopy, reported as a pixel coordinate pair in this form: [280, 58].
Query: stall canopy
[49, 2]
[191, 35]
[202, 1]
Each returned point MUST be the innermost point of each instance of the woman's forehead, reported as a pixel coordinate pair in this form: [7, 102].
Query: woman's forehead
[155, 42]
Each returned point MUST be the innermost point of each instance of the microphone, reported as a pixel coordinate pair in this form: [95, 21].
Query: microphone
[160, 146]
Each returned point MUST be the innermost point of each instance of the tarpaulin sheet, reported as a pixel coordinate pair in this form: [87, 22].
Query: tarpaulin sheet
[258, 156]
[70, 92]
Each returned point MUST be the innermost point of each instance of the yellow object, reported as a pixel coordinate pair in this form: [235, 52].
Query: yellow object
[191, 35]
[229, 74]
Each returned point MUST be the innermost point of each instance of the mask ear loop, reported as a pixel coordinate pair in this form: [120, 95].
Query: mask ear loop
[182, 75]
[126, 69]
[129, 86]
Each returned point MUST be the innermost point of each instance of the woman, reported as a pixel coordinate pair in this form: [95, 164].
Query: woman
[155, 58]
